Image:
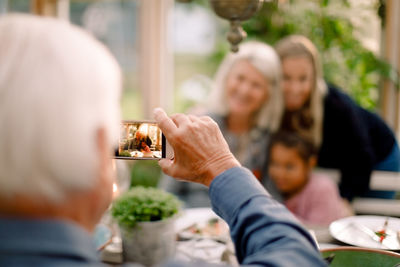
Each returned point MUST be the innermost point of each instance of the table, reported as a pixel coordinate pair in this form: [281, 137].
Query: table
[187, 249]
[323, 237]
[210, 249]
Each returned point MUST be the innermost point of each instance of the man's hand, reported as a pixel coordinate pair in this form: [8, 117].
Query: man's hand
[200, 151]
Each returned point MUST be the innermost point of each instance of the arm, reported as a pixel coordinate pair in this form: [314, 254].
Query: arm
[346, 145]
[264, 232]
[357, 159]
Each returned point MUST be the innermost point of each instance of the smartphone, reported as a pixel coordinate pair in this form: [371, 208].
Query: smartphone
[140, 140]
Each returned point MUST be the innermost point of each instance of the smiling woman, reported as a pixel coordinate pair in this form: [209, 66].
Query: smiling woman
[246, 90]
[247, 103]
[350, 138]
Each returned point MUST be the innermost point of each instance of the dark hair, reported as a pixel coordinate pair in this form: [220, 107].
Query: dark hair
[305, 148]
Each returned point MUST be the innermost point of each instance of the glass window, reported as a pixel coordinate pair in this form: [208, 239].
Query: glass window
[115, 24]
[15, 6]
[196, 35]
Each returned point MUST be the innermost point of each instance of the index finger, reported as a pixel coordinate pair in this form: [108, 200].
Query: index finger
[166, 125]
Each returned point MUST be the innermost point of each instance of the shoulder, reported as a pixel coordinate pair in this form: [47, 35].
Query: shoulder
[338, 100]
[323, 184]
[339, 104]
[341, 114]
[322, 180]
[374, 121]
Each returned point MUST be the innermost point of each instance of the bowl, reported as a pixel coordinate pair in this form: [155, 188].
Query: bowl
[361, 257]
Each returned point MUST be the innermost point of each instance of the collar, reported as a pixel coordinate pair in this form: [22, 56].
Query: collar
[49, 237]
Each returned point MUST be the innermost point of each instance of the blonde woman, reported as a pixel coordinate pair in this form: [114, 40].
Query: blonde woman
[349, 138]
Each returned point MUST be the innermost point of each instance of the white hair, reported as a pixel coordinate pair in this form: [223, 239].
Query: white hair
[264, 58]
[58, 87]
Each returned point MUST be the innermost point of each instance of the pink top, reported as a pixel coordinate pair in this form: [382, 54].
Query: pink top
[319, 203]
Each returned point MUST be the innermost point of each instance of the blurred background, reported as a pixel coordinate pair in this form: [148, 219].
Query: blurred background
[169, 50]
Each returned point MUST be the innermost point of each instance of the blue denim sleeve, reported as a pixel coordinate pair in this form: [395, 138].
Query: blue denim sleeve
[264, 231]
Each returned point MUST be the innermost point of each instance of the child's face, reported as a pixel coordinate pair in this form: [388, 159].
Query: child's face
[288, 170]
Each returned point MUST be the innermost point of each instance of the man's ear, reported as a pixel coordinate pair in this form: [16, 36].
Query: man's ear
[104, 155]
[105, 175]
[101, 142]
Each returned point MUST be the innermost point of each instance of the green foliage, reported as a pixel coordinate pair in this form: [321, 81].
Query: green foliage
[125, 154]
[145, 173]
[346, 62]
[141, 204]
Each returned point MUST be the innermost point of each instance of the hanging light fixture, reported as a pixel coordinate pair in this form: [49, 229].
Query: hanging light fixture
[236, 11]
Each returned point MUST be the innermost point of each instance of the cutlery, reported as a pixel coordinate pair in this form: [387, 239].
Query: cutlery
[371, 234]
[398, 236]
[382, 234]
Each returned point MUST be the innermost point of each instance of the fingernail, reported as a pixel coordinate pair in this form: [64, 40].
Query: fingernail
[157, 109]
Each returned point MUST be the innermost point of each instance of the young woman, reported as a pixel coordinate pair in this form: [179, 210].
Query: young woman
[314, 199]
[349, 138]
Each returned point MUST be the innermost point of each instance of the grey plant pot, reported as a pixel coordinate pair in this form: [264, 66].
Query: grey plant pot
[149, 243]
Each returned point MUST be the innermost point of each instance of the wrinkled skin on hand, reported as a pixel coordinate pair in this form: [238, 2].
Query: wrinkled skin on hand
[200, 151]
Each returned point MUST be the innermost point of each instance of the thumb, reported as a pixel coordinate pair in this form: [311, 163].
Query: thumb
[166, 166]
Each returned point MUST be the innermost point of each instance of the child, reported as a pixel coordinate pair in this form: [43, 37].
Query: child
[313, 199]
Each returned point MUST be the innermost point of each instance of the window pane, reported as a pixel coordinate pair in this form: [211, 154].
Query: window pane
[15, 6]
[196, 31]
[115, 24]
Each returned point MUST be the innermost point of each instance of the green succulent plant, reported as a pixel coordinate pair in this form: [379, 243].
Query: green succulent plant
[144, 204]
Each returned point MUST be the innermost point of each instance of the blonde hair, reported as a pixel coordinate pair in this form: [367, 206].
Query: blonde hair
[58, 87]
[296, 46]
[266, 61]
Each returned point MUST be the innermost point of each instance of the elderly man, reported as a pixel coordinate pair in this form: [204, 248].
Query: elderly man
[59, 117]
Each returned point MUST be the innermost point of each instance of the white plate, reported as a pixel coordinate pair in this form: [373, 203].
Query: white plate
[191, 216]
[198, 218]
[359, 231]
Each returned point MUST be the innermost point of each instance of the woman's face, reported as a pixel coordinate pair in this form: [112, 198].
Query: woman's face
[287, 169]
[246, 89]
[298, 77]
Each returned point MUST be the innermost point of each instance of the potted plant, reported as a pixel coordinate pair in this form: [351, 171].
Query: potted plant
[146, 219]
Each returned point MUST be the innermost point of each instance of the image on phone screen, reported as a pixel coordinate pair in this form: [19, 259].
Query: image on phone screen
[140, 140]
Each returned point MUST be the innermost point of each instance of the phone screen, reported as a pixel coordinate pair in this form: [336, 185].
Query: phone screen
[140, 140]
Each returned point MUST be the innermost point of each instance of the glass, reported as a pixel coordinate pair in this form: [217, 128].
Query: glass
[23, 6]
[115, 24]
